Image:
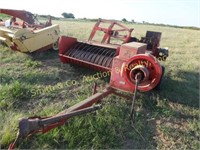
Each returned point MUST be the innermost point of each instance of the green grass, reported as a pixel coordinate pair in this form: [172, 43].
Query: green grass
[165, 119]
[3, 16]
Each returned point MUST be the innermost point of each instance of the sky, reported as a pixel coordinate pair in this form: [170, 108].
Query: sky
[172, 12]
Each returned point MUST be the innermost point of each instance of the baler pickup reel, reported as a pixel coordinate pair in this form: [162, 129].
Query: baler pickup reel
[133, 66]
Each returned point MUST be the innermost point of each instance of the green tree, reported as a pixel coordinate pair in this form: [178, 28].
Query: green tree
[124, 20]
[68, 15]
[133, 21]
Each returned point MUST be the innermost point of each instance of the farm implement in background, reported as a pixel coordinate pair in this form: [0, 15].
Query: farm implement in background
[133, 65]
[27, 35]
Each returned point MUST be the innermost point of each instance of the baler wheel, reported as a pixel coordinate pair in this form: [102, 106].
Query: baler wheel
[151, 68]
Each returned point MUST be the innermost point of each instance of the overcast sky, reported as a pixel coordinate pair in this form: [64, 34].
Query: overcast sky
[173, 12]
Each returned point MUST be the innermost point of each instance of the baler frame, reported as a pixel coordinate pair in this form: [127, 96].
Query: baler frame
[132, 67]
[110, 32]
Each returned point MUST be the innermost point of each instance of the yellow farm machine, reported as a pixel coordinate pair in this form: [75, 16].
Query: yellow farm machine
[27, 35]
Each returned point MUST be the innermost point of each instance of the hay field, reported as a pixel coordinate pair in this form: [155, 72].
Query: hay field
[166, 119]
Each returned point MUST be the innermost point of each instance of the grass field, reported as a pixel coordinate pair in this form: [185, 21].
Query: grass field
[165, 119]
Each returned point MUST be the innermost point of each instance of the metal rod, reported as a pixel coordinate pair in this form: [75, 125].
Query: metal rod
[60, 117]
[90, 100]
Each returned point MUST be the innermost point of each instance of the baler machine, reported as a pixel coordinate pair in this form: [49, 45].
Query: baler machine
[123, 60]
[133, 66]
[28, 35]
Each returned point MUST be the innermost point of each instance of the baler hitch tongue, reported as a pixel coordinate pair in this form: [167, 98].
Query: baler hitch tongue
[29, 126]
